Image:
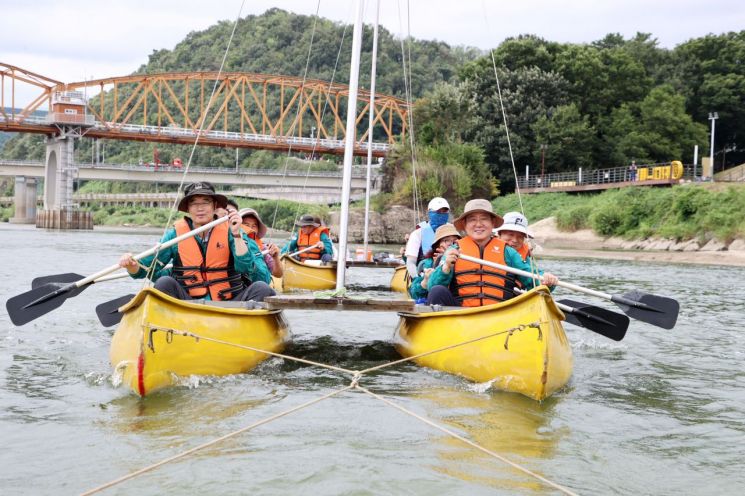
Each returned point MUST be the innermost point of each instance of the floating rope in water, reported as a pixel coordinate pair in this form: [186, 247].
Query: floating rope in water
[354, 384]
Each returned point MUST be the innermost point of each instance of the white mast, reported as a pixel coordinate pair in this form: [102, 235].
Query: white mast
[372, 120]
[354, 73]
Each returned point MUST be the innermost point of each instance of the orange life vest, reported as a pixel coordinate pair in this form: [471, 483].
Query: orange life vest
[476, 285]
[252, 234]
[306, 240]
[524, 251]
[212, 270]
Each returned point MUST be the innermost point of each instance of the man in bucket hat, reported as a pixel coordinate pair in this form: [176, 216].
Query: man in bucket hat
[420, 240]
[473, 284]
[313, 237]
[219, 264]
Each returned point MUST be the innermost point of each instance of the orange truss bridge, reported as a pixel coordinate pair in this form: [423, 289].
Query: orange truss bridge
[246, 110]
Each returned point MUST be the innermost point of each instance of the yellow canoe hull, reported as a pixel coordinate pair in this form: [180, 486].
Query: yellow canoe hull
[148, 360]
[400, 281]
[298, 275]
[534, 361]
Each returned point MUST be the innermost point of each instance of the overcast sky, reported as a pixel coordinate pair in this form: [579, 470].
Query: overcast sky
[71, 41]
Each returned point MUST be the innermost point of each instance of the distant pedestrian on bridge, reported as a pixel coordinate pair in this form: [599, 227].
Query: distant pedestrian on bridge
[632, 171]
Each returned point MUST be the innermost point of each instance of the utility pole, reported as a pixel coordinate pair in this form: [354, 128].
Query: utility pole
[712, 117]
[543, 162]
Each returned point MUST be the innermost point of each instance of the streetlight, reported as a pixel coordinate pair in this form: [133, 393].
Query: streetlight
[712, 117]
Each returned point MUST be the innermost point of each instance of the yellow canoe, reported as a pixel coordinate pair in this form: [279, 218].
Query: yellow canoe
[299, 275]
[401, 280]
[148, 353]
[534, 361]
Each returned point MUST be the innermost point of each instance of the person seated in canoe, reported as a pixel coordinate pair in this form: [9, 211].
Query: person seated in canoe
[256, 230]
[213, 265]
[514, 232]
[420, 239]
[445, 236]
[312, 240]
[457, 282]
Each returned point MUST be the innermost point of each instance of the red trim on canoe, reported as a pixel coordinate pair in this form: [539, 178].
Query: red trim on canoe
[140, 374]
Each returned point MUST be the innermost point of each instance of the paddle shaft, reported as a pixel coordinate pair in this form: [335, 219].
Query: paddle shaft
[523, 273]
[302, 251]
[154, 249]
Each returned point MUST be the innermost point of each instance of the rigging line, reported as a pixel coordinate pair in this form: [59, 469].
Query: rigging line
[509, 331]
[301, 89]
[196, 140]
[407, 90]
[455, 435]
[188, 452]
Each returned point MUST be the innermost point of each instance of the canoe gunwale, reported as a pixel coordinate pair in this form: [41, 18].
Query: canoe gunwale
[195, 304]
[426, 311]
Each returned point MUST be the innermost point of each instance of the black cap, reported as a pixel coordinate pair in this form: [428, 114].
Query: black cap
[201, 189]
[306, 220]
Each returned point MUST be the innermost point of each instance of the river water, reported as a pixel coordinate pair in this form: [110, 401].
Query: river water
[660, 413]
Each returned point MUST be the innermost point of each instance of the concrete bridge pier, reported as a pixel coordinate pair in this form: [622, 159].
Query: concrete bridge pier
[59, 174]
[25, 201]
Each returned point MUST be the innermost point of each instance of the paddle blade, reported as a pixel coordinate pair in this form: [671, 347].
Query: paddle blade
[652, 309]
[108, 311]
[610, 324]
[31, 305]
[56, 278]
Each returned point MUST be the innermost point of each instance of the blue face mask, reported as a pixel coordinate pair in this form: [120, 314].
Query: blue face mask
[436, 219]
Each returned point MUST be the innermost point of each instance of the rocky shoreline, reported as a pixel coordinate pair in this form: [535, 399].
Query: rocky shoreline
[585, 243]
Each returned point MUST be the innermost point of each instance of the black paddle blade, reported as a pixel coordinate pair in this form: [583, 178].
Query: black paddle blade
[652, 309]
[56, 278]
[108, 311]
[610, 324]
[31, 305]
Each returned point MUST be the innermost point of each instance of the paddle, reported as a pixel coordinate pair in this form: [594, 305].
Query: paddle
[108, 311]
[72, 277]
[604, 322]
[39, 301]
[300, 251]
[653, 309]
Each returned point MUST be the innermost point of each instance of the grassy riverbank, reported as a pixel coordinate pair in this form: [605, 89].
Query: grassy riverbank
[701, 211]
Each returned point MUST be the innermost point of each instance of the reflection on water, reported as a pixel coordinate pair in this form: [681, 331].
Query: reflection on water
[509, 425]
[662, 412]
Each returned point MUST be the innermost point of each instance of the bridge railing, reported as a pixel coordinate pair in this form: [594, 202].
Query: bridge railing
[357, 171]
[603, 176]
[88, 120]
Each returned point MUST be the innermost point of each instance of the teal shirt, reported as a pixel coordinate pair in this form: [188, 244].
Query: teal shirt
[291, 247]
[416, 290]
[251, 263]
[511, 257]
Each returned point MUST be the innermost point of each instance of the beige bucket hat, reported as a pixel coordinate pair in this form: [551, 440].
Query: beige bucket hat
[477, 205]
[444, 231]
[250, 212]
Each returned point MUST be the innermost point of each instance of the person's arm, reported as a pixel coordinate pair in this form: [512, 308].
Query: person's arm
[252, 262]
[328, 249]
[165, 256]
[418, 288]
[443, 274]
[514, 260]
[290, 247]
[412, 251]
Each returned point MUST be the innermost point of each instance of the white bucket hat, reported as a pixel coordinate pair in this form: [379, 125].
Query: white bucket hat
[437, 203]
[515, 221]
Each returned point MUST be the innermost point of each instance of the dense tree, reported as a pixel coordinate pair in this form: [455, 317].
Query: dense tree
[568, 137]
